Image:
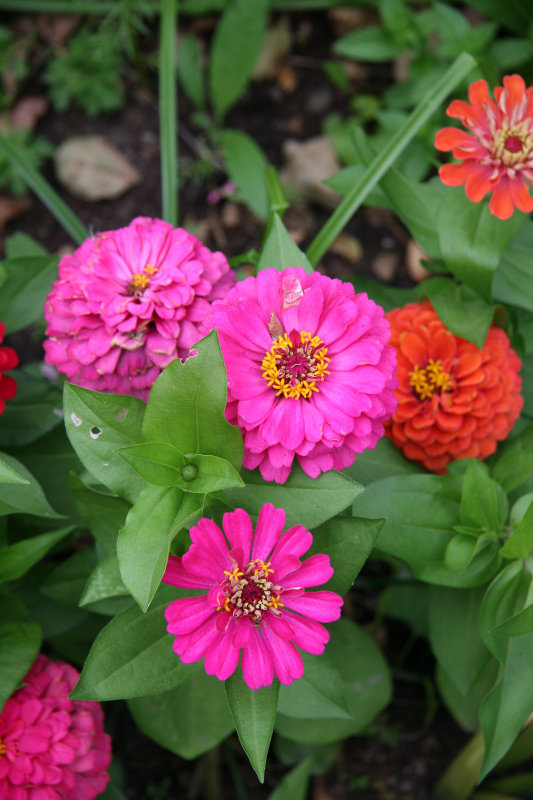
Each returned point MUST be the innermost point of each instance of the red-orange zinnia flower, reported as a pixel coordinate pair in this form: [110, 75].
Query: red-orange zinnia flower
[8, 360]
[497, 156]
[454, 400]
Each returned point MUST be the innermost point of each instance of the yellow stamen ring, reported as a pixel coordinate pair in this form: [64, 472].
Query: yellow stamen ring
[430, 379]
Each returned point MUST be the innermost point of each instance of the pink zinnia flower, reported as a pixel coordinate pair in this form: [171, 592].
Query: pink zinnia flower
[309, 371]
[128, 302]
[52, 748]
[256, 600]
[497, 156]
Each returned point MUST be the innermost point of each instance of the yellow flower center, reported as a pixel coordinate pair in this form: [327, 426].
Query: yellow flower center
[140, 280]
[3, 748]
[249, 592]
[430, 379]
[295, 363]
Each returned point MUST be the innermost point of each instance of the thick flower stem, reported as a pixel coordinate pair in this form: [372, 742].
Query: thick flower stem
[212, 781]
[461, 776]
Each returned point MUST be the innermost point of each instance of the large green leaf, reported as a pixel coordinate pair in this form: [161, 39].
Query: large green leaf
[188, 720]
[23, 497]
[348, 541]
[66, 581]
[307, 501]
[513, 280]
[133, 656]
[319, 693]
[246, 166]
[294, 785]
[520, 543]
[18, 558]
[98, 424]
[187, 403]
[254, 712]
[35, 409]
[454, 634]
[366, 682]
[144, 541]
[104, 581]
[104, 514]
[420, 512]
[461, 309]
[9, 475]
[384, 461]
[239, 33]
[24, 292]
[280, 251]
[19, 646]
[472, 239]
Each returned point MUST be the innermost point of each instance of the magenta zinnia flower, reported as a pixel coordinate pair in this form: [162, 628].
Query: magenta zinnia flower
[256, 600]
[309, 371]
[128, 302]
[52, 748]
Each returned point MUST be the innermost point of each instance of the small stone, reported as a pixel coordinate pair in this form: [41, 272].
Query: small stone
[274, 48]
[93, 169]
[414, 256]
[384, 266]
[308, 164]
[349, 247]
[347, 19]
[231, 215]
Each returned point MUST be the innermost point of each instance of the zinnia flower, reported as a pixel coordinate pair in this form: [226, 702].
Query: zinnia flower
[256, 600]
[309, 372]
[497, 156]
[454, 400]
[128, 302]
[52, 748]
[8, 360]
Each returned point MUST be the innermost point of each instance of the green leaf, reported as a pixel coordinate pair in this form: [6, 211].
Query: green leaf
[408, 602]
[517, 625]
[472, 239]
[144, 541]
[26, 497]
[133, 657]
[254, 712]
[463, 311]
[384, 461]
[35, 409]
[104, 514]
[420, 512]
[366, 682]
[520, 543]
[21, 245]
[97, 424]
[280, 251]
[65, 582]
[9, 475]
[307, 501]
[246, 165]
[454, 634]
[16, 559]
[512, 468]
[512, 280]
[19, 646]
[167, 106]
[239, 33]
[190, 71]
[370, 43]
[187, 403]
[161, 464]
[294, 785]
[479, 503]
[348, 541]
[24, 292]
[188, 720]
[507, 706]
[104, 581]
[319, 693]
[465, 708]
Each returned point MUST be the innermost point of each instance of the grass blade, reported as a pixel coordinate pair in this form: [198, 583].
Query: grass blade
[167, 111]
[70, 222]
[386, 158]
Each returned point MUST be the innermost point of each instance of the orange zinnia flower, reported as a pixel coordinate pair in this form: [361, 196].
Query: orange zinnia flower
[497, 156]
[454, 400]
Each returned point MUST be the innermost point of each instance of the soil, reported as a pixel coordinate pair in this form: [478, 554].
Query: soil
[414, 739]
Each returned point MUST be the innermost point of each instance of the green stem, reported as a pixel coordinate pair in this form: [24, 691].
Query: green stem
[461, 776]
[59, 6]
[70, 222]
[213, 783]
[167, 111]
[386, 158]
